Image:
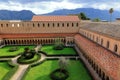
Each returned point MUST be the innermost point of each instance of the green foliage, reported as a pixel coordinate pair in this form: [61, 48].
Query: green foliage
[96, 20]
[111, 11]
[83, 16]
[28, 54]
[58, 75]
[12, 49]
[22, 60]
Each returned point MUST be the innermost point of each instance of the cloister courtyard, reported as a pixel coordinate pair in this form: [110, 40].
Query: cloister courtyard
[42, 66]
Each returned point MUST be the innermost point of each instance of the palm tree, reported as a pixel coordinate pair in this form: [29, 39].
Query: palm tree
[111, 11]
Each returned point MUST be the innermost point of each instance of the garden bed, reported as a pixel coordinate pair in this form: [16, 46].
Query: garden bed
[76, 71]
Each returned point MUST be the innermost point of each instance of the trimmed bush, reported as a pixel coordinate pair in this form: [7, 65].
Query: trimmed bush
[11, 72]
[59, 74]
[23, 60]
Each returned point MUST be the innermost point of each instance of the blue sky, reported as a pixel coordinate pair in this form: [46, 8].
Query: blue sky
[46, 6]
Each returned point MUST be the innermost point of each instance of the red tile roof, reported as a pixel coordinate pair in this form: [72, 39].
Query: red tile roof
[35, 35]
[55, 18]
[109, 62]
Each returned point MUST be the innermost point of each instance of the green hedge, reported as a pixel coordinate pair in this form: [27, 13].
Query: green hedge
[59, 74]
[11, 72]
[24, 61]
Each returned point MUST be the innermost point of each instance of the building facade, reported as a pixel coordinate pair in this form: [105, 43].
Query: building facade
[100, 49]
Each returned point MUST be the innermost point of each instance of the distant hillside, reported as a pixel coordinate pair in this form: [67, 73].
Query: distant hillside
[90, 12]
[16, 15]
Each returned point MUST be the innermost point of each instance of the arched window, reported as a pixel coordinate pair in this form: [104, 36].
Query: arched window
[107, 46]
[115, 48]
[6, 25]
[77, 24]
[43, 25]
[38, 25]
[58, 24]
[1, 25]
[101, 41]
[33, 25]
[48, 24]
[67, 24]
[72, 24]
[62, 24]
[53, 24]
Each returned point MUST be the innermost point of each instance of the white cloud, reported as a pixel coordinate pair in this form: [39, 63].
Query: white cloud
[42, 7]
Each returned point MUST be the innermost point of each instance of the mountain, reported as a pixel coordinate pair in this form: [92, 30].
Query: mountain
[16, 15]
[90, 12]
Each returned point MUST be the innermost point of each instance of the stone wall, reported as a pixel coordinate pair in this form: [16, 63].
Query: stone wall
[7, 27]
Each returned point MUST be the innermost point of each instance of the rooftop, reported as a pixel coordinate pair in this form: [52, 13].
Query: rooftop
[55, 18]
[102, 56]
[111, 29]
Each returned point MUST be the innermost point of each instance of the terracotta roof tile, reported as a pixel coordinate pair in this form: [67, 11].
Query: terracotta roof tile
[55, 18]
[103, 57]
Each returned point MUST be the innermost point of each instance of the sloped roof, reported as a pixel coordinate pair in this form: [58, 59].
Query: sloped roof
[110, 29]
[102, 56]
[55, 18]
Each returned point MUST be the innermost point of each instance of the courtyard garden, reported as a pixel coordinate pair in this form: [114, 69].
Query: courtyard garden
[40, 66]
[76, 71]
[12, 50]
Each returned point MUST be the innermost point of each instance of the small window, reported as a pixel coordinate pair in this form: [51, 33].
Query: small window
[18, 25]
[33, 25]
[58, 24]
[115, 48]
[48, 24]
[107, 46]
[13, 25]
[53, 24]
[77, 24]
[43, 25]
[6, 25]
[101, 41]
[1, 25]
[38, 25]
[72, 24]
[62, 24]
[67, 24]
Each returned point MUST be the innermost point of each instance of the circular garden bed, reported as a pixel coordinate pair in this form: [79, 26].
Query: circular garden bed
[22, 60]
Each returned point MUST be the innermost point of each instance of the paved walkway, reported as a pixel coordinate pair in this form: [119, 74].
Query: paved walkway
[68, 57]
[23, 67]
[20, 72]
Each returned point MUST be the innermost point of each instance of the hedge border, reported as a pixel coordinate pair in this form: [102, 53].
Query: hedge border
[11, 72]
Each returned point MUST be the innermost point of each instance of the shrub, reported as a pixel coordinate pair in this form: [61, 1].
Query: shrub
[22, 60]
[59, 75]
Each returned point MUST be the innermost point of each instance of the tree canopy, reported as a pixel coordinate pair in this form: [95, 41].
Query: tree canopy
[83, 16]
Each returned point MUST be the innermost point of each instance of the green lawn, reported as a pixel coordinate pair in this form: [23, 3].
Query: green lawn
[41, 72]
[49, 50]
[4, 51]
[4, 68]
